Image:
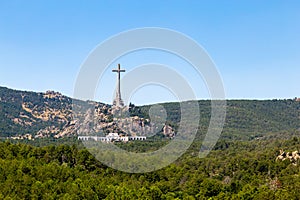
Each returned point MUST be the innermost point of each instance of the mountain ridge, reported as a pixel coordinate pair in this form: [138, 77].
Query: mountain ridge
[49, 114]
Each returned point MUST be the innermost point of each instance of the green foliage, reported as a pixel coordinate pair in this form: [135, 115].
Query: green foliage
[242, 170]
[245, 120]
[241, 166]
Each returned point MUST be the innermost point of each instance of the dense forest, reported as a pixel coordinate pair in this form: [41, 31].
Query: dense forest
[245, 119]
[233, 170]
[242, 164]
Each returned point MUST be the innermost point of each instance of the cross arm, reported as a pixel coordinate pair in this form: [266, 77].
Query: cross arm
[116, 70]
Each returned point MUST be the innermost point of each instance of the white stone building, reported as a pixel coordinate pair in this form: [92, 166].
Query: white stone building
[111, 137]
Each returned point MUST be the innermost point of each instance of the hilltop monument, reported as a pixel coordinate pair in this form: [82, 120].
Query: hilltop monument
[118, 102]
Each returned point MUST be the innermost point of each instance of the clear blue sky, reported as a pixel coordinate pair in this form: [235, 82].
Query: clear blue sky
[255, 44]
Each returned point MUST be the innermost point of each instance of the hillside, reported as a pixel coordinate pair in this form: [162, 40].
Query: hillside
[24, 112]
[52, 114]
[247, 119]
[37, 115]
[232, 170]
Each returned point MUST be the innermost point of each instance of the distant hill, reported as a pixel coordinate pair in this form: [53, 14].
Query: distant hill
[27, 115]
[50, 114]
[23, 112]
[248, 119]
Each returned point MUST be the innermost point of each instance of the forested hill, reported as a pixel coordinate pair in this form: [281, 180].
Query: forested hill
[232, 170]
[248, 119]
[23, 112]
[50, 114]
[262, 118]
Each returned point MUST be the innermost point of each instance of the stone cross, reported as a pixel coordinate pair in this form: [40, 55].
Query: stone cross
[118, 102]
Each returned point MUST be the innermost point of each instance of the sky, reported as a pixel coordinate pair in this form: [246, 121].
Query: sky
[254, 44]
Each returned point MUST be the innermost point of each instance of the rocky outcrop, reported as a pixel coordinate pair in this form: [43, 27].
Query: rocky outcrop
[52, 114]
[293, 157]
[53, 95]
[168, 131]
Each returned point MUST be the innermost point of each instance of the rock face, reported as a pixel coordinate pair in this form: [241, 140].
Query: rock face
[53, 95]
[168, 131]
[52, 114]
[293, 157]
